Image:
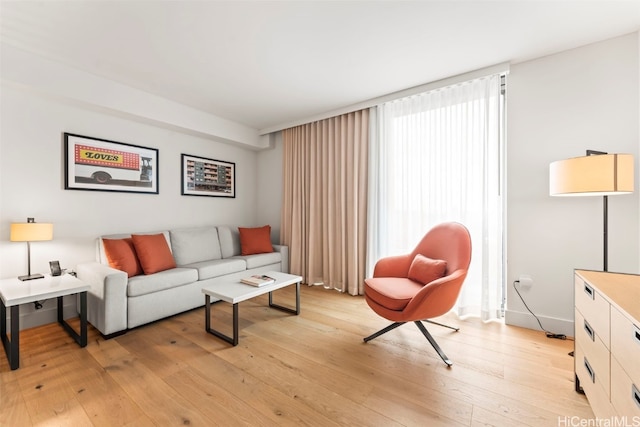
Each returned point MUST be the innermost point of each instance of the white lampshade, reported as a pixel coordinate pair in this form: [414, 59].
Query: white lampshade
[31, 232]
[596, 175]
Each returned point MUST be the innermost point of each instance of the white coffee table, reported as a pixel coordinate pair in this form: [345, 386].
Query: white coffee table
[14, 292]
[235, 292]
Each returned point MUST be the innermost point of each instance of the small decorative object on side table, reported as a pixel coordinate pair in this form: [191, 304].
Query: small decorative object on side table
[14, 292]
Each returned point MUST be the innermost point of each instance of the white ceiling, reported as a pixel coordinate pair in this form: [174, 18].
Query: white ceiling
[265, 63]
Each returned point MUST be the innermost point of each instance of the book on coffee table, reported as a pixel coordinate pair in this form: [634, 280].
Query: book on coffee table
[258, 280]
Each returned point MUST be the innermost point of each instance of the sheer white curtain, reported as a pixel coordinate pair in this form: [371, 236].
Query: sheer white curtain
[437, 157]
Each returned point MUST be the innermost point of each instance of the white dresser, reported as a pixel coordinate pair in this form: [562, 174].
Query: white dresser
[607, 346]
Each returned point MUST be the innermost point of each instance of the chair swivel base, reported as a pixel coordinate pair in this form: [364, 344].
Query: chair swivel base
[424, 331]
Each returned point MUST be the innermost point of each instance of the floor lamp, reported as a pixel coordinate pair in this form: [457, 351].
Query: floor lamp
[30, 231]
[596, 174]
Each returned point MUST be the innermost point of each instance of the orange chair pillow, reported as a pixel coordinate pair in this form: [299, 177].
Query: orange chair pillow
[153, 252]
[121, 255]
[426, 270]
[255, 240]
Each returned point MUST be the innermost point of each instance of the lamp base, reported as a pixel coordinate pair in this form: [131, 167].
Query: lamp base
[31, 277]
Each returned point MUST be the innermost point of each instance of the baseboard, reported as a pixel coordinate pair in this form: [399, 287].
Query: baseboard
[31, 317]
[551, 324]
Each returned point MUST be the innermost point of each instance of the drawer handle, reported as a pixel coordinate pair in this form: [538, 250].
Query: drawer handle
[589, 370]
[636, 334]
[589, 290]
[635, 395]
[587, 327]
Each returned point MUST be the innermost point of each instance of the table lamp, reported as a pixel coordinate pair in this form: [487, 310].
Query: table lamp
[596, 174]
[30, 231]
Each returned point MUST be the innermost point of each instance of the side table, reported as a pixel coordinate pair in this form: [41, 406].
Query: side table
[14, 292]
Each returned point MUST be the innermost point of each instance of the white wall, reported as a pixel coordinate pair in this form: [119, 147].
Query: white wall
[269, 185]
[32, 184]
[558, 107]
[67, 84]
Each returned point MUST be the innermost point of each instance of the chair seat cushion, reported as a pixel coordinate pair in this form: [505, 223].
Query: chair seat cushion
[393, 293]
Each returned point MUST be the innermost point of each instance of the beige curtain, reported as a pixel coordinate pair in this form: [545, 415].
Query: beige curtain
[324, 211]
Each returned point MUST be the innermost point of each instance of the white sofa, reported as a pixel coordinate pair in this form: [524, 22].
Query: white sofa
[204, 256]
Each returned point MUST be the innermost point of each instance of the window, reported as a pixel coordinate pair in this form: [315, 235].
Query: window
[438, 157]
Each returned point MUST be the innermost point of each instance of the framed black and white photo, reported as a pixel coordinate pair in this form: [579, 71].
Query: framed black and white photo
[207, 177]
[103, 165]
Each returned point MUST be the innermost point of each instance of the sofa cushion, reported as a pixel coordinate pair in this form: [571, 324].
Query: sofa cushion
[195, 244]
[260, 260]
[122, 255]
[146, 284]
[218, 267]
[255, 240]
[229, 241]
[102, 257]
[153, 252]
[425, 270]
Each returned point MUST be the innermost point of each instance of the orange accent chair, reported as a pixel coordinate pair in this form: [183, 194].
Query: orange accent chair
[423, 284]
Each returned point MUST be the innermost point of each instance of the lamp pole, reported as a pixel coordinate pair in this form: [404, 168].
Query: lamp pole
[29, 221]
[28, 259]
[605, 236]
[605, 214]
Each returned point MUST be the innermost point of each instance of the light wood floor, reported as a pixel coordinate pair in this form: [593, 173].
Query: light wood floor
[311, 369]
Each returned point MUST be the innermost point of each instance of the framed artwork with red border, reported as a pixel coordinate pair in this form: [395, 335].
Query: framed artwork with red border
[102, 165]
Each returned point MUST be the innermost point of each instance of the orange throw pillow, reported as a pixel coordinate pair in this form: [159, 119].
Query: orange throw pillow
[153, 252]
[425, 270]
[122, 256]
[255, 240]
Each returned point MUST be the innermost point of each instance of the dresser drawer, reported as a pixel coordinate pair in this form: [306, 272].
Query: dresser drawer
[590, 382]
[593, 307]
[625, 344]
[594, 350]
[625, 395]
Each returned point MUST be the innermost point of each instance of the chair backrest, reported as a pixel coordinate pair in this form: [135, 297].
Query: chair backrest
[449, 241]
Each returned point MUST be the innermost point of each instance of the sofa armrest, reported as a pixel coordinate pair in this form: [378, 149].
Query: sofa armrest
[107, 297]
[284, 251]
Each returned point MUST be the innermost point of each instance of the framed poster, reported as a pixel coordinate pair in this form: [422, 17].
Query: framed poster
[207, 177]
[103, 165]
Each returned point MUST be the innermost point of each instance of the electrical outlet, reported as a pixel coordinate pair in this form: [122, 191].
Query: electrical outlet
[525, 281]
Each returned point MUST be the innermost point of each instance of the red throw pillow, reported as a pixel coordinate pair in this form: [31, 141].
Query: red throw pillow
[153, 252]
[255, 240]
[425, 270]
[121, 255]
